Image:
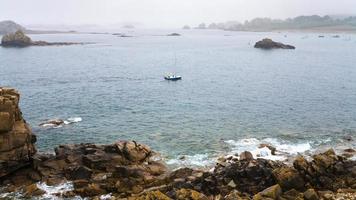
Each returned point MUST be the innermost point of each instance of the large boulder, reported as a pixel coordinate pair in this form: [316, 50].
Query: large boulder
[270, 44]
[16, 139]
[17, 39]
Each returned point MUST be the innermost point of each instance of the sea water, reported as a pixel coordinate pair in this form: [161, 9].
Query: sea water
[232, 96]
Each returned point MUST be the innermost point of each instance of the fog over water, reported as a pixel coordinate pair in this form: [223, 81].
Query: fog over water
[163, 13]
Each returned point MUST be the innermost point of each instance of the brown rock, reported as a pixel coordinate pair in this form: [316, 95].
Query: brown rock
[153, 195]
[184, 194]
[246, 155]
[288, 178]
[310, 194]
[16, 138]
[272, 192]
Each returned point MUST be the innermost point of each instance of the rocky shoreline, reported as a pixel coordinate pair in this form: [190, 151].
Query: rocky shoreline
[129, 170]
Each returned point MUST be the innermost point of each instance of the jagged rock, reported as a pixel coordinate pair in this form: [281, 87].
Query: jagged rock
[16, 138]
[288, 178]
[272, 192]
[327, 171]
[270, 44]
[251, 176]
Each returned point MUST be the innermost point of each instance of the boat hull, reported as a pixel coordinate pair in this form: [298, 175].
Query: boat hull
[173, 78]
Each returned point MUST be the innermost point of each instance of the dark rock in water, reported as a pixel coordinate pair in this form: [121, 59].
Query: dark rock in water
[174, 34]
[52, 122]
[270, 44]
[16, 137]
[19, 39]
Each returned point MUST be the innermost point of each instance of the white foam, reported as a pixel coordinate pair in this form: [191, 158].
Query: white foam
[57, 189]
[105, 197]
[283, 149]
[72, 120]
[200, 160]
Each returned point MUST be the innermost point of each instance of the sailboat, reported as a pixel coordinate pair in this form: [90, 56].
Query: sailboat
[173, 77]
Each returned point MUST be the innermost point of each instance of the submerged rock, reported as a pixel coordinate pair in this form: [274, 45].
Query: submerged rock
[270, 44]
[52, 123]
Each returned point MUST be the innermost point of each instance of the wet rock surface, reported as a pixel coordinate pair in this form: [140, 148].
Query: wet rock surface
[270, 44]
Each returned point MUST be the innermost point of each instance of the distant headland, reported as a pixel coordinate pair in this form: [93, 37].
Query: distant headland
[301, 23]
[9, 26]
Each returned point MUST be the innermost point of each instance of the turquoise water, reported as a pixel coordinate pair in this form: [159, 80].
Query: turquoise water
[229, 92]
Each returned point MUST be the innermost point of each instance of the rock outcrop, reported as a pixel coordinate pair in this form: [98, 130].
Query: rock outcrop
[327, 171]
[270, 44]
[16, 139]
[19, 39]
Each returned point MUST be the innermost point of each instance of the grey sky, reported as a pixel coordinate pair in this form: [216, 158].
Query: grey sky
[163, 13]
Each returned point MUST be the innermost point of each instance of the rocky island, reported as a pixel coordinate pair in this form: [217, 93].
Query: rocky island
[19, 39]
[130, 170]
[174, 34]
[270, 44]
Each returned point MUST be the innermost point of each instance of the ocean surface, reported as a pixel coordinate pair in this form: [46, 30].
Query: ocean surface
[232, 96]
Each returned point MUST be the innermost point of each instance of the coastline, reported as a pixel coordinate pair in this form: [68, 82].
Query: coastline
[130, 170]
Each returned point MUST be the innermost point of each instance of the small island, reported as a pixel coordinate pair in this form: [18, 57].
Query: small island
[270, 44]
[19, 39]
[174, 34]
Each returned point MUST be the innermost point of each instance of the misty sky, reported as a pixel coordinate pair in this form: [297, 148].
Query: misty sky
[163, 13]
